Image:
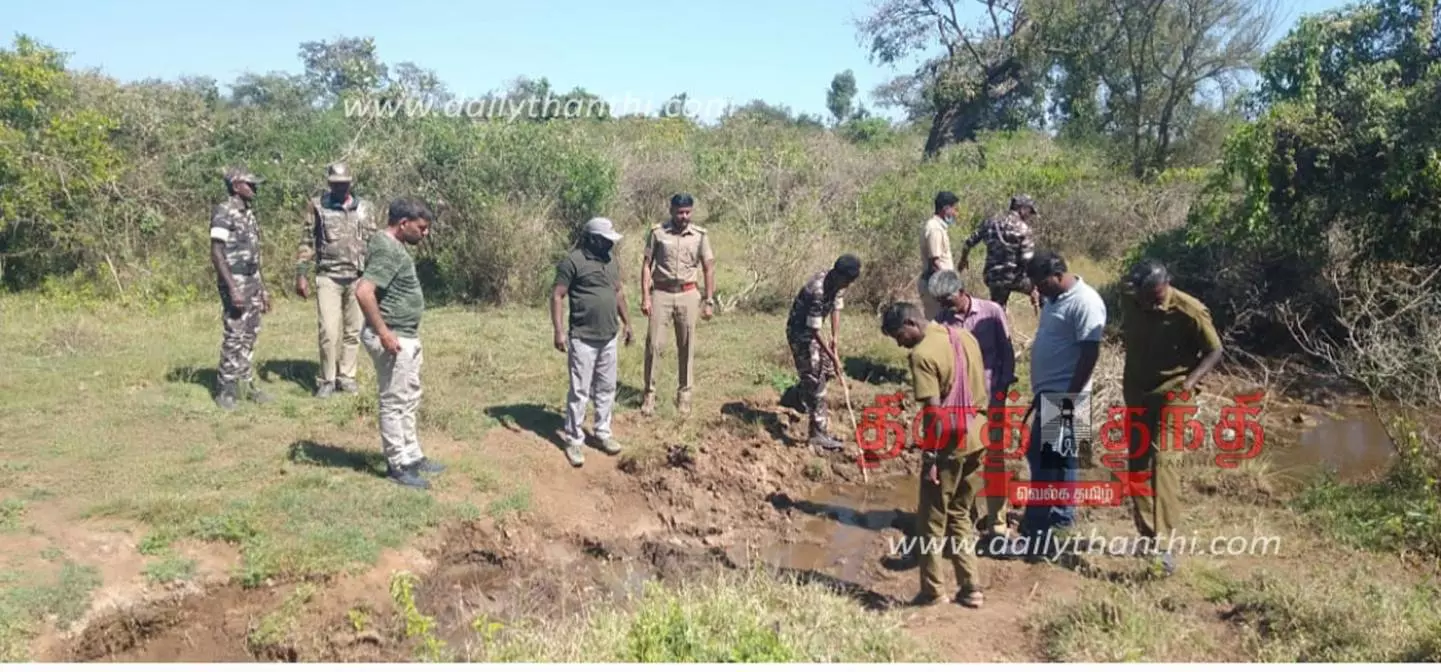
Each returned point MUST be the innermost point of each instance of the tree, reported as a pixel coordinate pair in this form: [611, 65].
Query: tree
[841, 95]
[346, 65]
[988, 76]
[1149, 61]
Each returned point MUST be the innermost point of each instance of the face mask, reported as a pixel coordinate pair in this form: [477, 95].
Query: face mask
[950, 220]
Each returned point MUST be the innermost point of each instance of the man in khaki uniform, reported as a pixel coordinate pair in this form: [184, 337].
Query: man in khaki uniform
[936, 249]
[1170, 344]
[675, 254]
[337, 227]
[948, 379]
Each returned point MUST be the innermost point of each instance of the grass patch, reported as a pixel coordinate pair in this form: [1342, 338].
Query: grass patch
[1113, 624]
[170, 569]
[26, 600]
[277, 627]
[750, 617]
[12, 512]
[1353, 618]
[517, 501]
[1401, 512]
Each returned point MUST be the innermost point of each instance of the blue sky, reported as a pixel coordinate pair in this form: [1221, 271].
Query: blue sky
[715, 51]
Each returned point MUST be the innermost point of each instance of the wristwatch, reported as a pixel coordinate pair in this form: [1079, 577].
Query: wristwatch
[710, 302]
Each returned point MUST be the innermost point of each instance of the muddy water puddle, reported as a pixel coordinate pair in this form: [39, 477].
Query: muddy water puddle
[1354, 447]
[841, 527]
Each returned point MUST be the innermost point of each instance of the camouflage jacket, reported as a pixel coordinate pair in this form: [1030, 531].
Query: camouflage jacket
[1009, 246]
[811, 307]
[233, 223]
[335, 235]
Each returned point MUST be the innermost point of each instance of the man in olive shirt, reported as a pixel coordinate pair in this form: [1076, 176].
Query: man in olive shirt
[948, 375]
[390, 296]
[590, 276]
[337, 227]
[1170, 345]
[676, 252]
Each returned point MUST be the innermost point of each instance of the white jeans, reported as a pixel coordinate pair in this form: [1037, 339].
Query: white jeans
[398, 378]
[593, 368]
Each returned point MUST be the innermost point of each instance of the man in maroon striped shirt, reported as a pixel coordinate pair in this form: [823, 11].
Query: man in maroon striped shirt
[986, 320]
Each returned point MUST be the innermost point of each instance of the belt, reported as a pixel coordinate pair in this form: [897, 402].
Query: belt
[674, 288]
[244, 268]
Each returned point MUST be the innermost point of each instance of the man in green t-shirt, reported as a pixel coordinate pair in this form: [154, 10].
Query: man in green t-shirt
[590, 276]
[390, 297]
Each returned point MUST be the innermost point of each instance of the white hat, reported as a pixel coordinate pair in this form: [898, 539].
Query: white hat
[602, 227]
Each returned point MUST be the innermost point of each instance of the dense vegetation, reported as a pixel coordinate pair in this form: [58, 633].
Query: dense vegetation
[1298, 228]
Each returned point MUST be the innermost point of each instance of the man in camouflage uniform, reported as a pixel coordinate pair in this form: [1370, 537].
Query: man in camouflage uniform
[1009, 245]
[235, 254]
[823, 295]
[337, 227]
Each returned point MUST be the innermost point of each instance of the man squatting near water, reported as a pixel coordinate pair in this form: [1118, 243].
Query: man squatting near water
[948, 379]
[590, 278]
[334, 234]
[986, 320]
[390, 296]
[235, 255]
[1170, 345]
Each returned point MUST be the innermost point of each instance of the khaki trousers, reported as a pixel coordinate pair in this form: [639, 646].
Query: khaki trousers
[340, 320]
[679, 311]
[1158, 514]
[398, 390]
[944, 521]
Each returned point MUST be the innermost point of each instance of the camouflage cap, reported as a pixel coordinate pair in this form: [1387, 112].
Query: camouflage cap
[337, 172]
[1020, 200]
[238, 174]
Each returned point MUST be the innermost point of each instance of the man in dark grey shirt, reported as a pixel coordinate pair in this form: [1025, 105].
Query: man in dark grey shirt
[590, 277]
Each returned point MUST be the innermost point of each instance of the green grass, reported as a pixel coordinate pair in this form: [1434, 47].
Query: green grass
[170, 569]
[751, 617]
[26, 599]
[1355, 617]
[1401, 512]
[109, 422]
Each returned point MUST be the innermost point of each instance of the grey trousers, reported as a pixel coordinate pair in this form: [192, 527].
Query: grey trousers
[398, 384]
[593, 369]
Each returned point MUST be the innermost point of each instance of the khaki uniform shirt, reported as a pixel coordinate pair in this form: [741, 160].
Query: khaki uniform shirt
[675, 258]
[1165, 344]
[935, 242]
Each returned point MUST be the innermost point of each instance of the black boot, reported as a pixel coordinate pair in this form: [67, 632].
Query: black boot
[225, 397]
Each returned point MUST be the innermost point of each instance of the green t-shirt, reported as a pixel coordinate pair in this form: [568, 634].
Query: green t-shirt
[391, 268]
[590, 283]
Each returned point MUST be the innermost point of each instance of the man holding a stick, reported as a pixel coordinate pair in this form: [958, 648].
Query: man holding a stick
[817, 362]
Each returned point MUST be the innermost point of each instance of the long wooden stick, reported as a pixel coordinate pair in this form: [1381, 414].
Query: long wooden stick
[855, 429]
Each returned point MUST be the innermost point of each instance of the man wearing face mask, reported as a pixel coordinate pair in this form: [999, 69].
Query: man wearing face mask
[936, 249]
[1170, 345]
[590, 278]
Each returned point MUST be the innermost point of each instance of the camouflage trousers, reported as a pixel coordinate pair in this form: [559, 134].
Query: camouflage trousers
[242, 325]
[1004, 279]
[815, 370]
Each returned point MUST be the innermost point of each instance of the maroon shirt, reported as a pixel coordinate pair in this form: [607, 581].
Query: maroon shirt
[987, 322]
